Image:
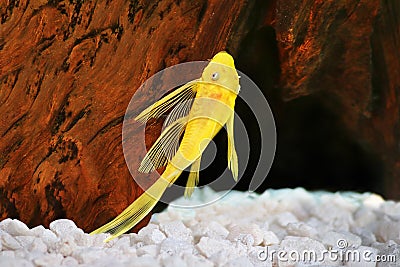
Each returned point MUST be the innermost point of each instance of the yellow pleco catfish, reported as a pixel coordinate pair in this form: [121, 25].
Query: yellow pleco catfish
[200, 109]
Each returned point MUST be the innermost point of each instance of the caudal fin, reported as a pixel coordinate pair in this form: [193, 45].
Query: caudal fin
[135, 212]
[128, 218]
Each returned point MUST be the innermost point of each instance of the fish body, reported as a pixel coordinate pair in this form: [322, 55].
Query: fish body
[203, 123]
[201, 108]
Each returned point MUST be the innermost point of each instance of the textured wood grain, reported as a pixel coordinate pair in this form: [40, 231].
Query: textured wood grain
[68, 70]
[345, 54]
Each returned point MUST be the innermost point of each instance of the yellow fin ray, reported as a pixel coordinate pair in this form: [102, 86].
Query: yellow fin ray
[135, 212]
[193, 179]
[180, 110]
[165, 147]
[233, 164]
[180, 95]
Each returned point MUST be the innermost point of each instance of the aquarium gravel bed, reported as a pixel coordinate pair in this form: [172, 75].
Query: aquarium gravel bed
[287, 227]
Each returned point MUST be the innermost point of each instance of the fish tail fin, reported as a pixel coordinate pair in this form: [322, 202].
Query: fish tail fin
[135, 212]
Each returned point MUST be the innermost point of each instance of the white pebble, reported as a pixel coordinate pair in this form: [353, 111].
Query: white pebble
[151, 234]
[12, 262]
[24, 254]
[361, 257]
[211, 229]
[279, 231]
[50, 239]
[175, 247]
[66, 246]
[342, 240]
[215, 229]
[38, 230]
[25, 241]
[208, 246]
[391, 208]
[129, 251]
[15, 227]
[114, 252]
[147, 230]
[69, 261]
[49, 260]
[121, 242]
[197, 260]
[373, 201]
[7, 253]
[230, 232]
[387, 229]
[220, 251]
[151, 250]
[82, 239]
[300, 249]
[223, 256]
[177, 230]
[38, 245]
[9, 242]
[63, 227]
[88, 255]
[98, 239]
[107, 261]
[269, 238]
[366, 235]
[145, 261]
[364, 216]
[46, 235]
[242, 233]
[301, 229]
[173, 261]
[245, 239]
[285, 218]
[242, 261]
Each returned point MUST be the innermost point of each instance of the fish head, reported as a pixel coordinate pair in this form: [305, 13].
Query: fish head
[224, 58]
[221, 70]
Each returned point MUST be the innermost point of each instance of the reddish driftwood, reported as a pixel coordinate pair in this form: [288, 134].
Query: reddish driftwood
[68, 70]
[347, 55]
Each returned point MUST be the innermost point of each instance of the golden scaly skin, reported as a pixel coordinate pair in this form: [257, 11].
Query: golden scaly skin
[204, 123]
[212, 108]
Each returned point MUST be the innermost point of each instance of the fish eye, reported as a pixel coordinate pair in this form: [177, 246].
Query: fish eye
[215, 76]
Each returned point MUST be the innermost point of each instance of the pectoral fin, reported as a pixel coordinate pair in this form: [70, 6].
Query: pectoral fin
[193, 179]
[165, 147]
[180, 110]
[180, 95]
[233, 164]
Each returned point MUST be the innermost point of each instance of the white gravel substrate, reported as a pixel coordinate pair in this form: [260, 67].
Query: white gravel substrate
[288, 227]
